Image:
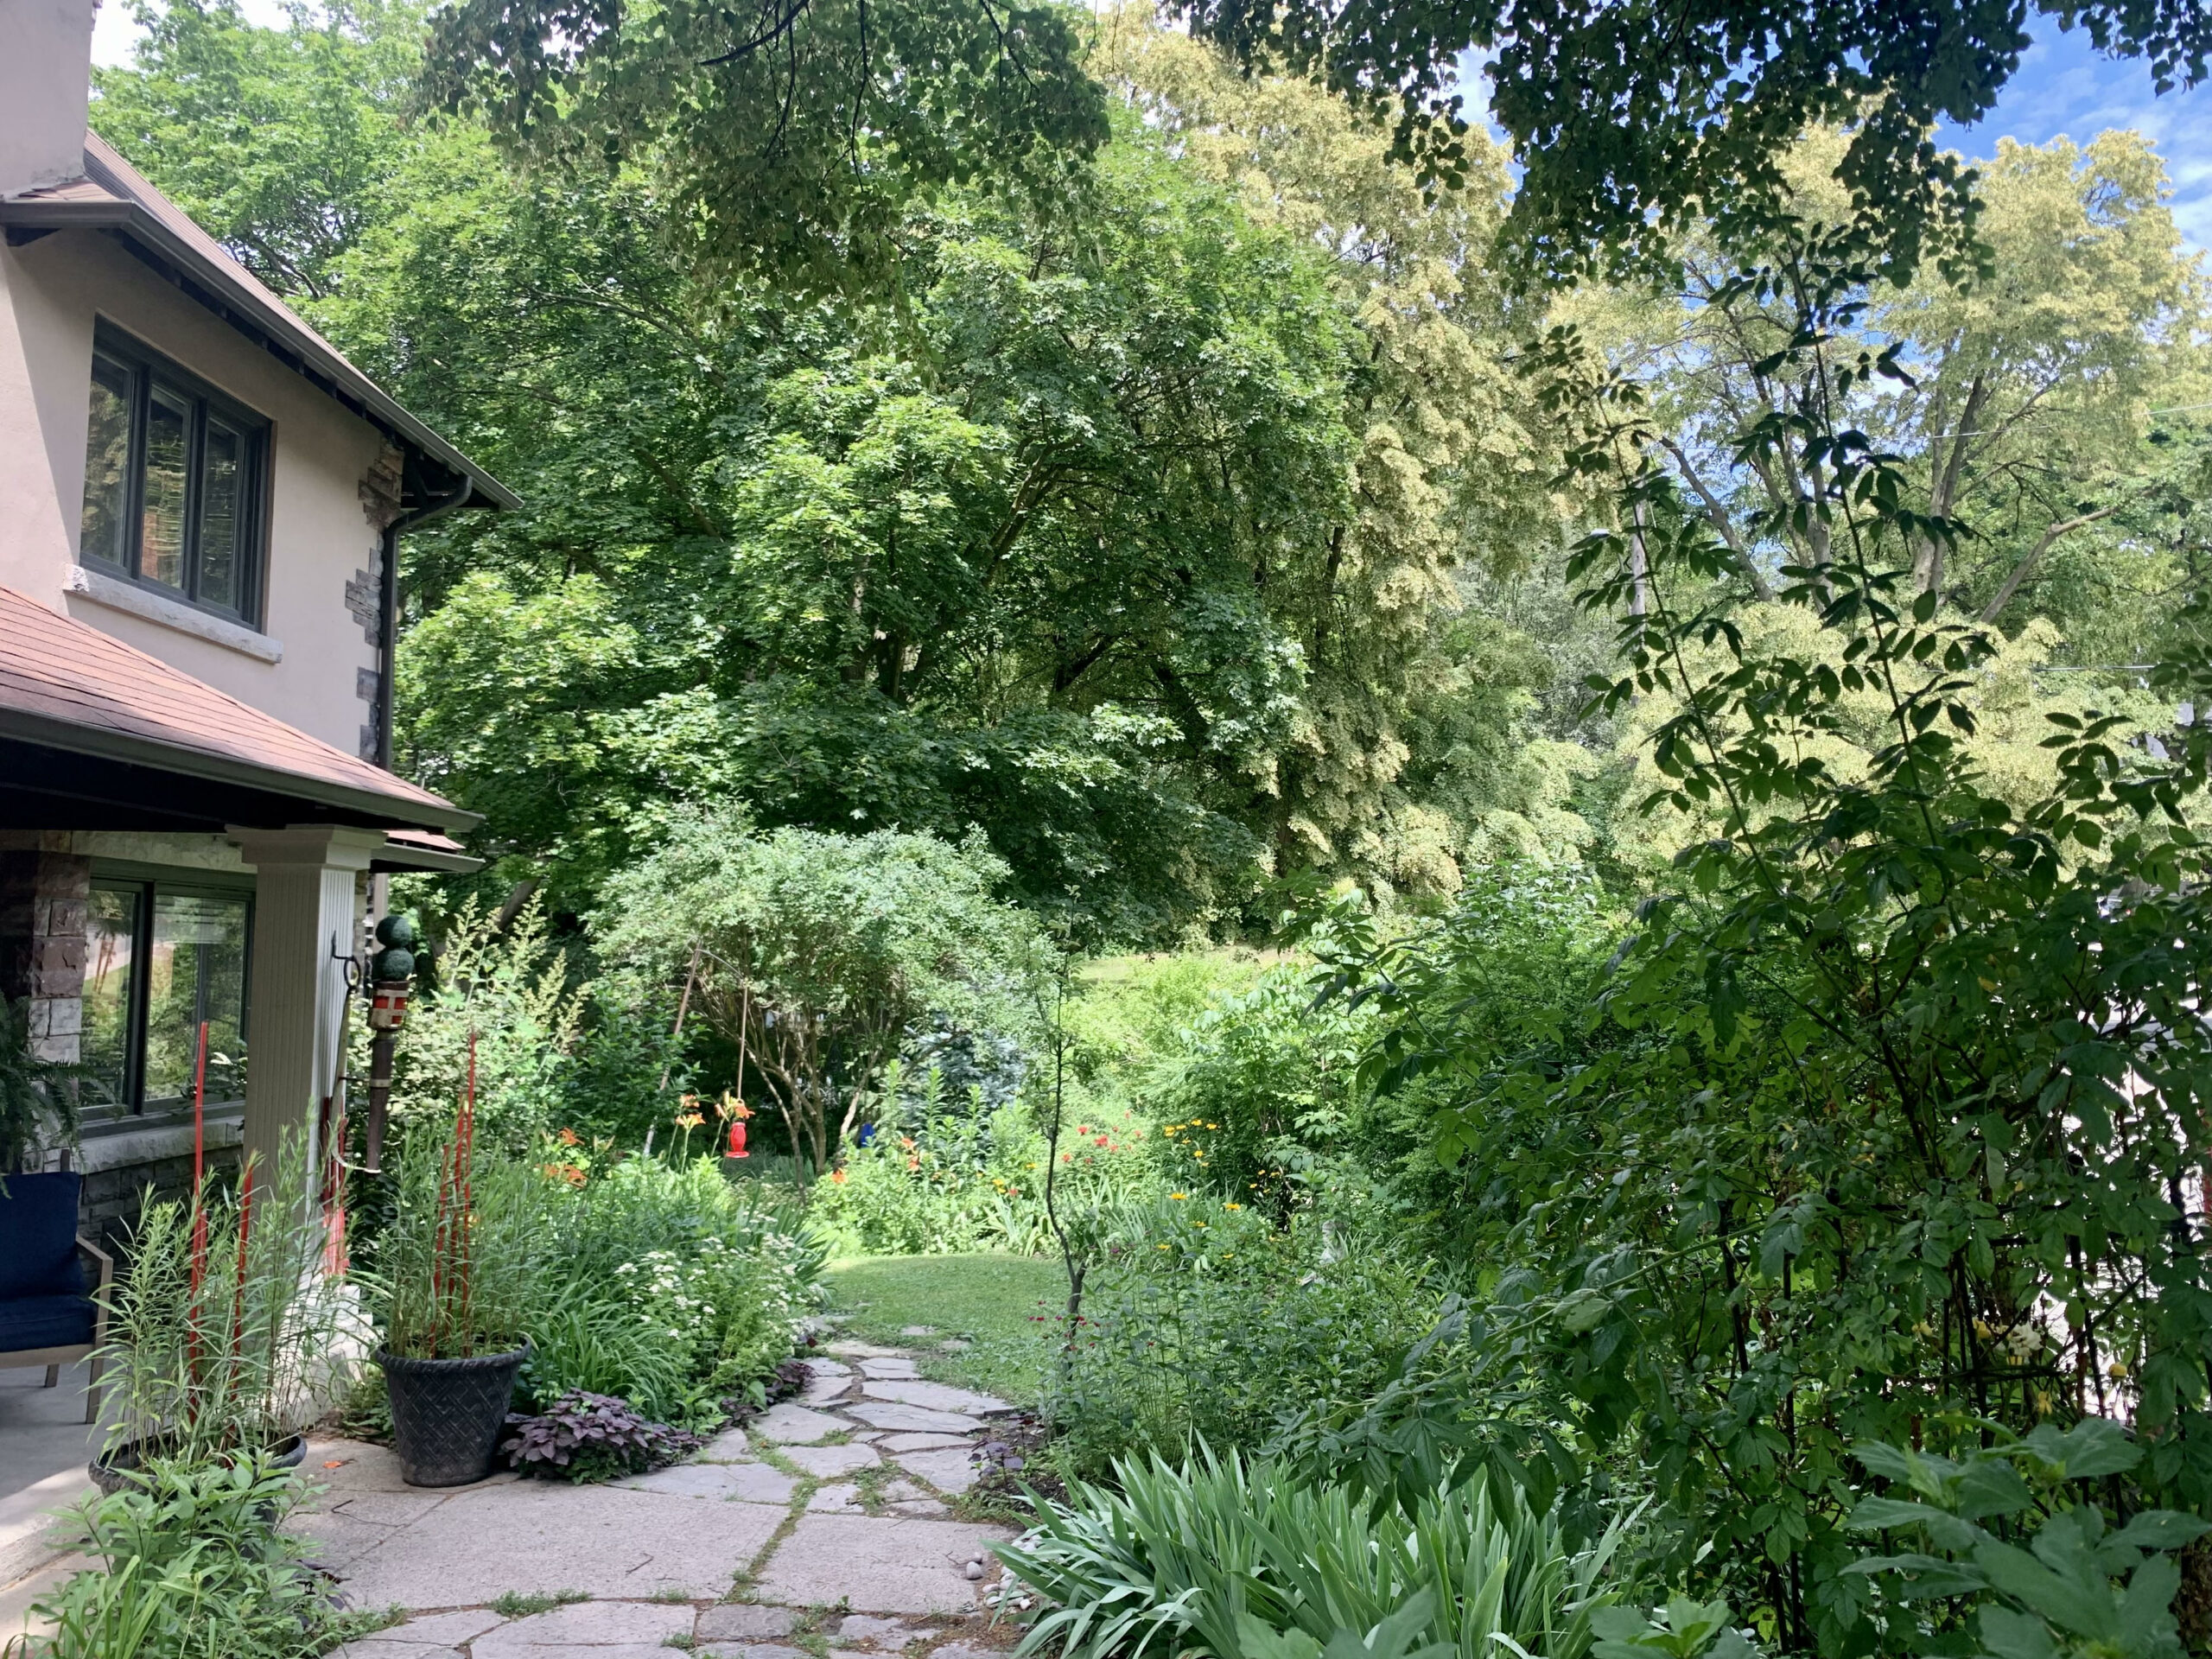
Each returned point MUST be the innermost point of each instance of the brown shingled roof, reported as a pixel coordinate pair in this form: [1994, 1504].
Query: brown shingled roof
[68, 686]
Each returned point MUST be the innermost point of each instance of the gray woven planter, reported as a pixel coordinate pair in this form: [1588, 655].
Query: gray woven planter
[447, 1414]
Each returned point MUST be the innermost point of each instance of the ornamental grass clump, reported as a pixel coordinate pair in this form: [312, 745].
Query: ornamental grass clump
[458, 1265]
[221, 1338]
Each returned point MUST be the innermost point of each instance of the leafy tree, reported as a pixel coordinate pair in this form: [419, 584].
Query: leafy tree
[1887, 1123]
[799, 134]
[1637, 122]
[811, 955]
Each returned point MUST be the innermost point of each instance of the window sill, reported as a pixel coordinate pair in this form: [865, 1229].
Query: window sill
[136, 1139]
[119, 595]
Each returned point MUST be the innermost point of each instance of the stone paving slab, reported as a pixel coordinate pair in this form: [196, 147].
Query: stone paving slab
[545, 1539]
[435, 1629]
[877, 1564]
[722, 1650]
[828, 1462]
[886, 1368]
[925, 1508]
[744, 1621]
[731, 1445]
[818, 1366]
[891, 1414]
[835, 1500]
[865, 1350]
[339, 1541]
[737, 1483]
[865, 1631]
[790, 1425]
[948, 1471]
[592, 1628]
[937, 1396]
[824, 1390]
[895, 1444]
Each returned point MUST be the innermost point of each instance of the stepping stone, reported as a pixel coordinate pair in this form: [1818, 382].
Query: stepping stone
[865, 1630]
[743, 1620]
[926, 1508]
[432, 1631]
[938, 1396]
[956, 1344]
[821, 1368]
[877, 1564]
[835, 1500]
[917, 1330]
[865, 1350]
[965, 1650]
[537, 1538]
[790, 1425]
[824, 1389]
[728, 1447]
[888, 1369]
[770, 1651]
[949, 1472]
[741, 1483]
[890, 1414]
[896, 1443]
[828, 1462]
[599, 1629]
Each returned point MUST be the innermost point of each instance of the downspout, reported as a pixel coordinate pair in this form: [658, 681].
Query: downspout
[388, 606]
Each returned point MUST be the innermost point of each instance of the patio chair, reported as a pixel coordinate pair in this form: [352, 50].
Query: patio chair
[46, 1316]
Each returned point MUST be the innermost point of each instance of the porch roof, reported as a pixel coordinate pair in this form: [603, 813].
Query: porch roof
[141, 741]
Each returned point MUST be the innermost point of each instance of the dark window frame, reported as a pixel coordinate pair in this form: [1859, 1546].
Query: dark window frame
[143, 366]
[131, 1111]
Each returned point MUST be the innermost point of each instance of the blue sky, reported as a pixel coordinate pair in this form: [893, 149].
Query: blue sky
[2064, 87]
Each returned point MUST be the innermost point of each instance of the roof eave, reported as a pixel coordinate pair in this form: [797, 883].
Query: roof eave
[390, 809]
[246, 309]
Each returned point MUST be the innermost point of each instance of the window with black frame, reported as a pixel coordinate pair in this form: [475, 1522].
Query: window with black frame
[173, 479]
[159, 959]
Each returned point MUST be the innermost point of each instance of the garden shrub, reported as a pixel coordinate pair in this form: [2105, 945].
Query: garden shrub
[583, 1436]
[192, 1566]
[1204, 1319]
[1216, 1554]
[670, 1287]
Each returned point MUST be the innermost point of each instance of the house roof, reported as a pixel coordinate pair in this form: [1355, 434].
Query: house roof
[113, 195]
[68, 686]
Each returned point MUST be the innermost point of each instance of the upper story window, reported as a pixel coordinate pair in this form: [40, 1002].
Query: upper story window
[174, 475]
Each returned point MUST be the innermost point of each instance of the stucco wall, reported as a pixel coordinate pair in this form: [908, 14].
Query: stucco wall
[51, 292]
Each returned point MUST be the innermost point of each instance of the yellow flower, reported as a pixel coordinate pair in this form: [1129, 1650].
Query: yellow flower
[1178, 1196]
[1232, 1206]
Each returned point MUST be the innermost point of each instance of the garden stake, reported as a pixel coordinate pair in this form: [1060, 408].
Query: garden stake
[198, 1207]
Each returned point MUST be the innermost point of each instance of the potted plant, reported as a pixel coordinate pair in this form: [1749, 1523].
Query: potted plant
[225, 1339]
[37, 1104]
[454, 1266]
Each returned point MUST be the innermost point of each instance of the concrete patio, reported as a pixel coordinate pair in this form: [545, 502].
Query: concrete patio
[826, 1519]
[44, 1446]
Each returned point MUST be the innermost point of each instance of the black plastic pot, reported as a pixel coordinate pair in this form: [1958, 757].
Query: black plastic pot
[119, 1468]
[447, 1414]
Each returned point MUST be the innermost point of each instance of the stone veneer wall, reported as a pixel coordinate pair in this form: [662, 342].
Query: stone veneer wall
[44, 894]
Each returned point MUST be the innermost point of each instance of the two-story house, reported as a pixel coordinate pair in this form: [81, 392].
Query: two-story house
[201, 502]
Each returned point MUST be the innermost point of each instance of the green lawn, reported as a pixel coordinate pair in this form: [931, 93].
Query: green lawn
[991, 1301]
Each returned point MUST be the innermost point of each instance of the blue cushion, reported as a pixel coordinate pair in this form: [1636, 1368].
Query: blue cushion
[38, 1236]
[44, 1322]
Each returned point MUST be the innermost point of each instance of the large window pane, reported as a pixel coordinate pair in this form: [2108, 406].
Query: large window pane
[169, 449]
[196, 972]
[107, 466]
[221, 481]
[111, 939]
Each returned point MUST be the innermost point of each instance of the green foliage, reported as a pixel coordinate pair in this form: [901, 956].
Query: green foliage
[1262, 1092]
[795, 136]
[1633, 121]
[38, 1097]
[192, 1566]
[1000, 1305]
[456, 1268]
[504, 996]
[1884, 1122]
[224, 1337]
[813, 954]
[1204, 1320]
[2013, 1551]
[668, 1287]
[1201, 1557]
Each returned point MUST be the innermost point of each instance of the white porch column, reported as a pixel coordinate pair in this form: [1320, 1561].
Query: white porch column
[307, 880]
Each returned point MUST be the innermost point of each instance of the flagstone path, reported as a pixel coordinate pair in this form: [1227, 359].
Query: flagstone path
[823, 1522]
